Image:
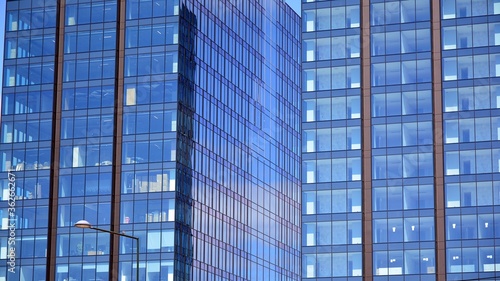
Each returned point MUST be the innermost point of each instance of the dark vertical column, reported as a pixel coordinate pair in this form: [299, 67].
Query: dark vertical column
[366, 140]
[438, 143]
[56, 144]
[117, 142]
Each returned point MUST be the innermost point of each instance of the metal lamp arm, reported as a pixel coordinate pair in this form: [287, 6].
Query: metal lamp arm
[115, 233]
[128, 236]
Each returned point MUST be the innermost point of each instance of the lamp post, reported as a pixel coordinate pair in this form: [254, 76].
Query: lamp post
[86, 224]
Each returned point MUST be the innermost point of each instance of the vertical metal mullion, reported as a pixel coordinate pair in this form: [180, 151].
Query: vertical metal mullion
[366, 142]
[56, 143]
[439, 206]
[117, 141]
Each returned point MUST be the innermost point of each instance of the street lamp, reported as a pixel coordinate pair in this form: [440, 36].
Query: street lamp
[86, 224]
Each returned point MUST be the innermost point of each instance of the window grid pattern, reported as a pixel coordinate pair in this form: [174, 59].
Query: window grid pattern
[243, 116]
[402, 158]
[245, 124]
[331, 141]
[470, 57]
[86, 139]
[26, 134]
[148, 205]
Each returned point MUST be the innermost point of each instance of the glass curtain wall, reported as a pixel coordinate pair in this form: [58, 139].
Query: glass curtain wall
[245, 179]
[86, 152]
[402, 153]
[331, 140]
[26, 135]
[471, 63]
[149, 130]
[210, 135]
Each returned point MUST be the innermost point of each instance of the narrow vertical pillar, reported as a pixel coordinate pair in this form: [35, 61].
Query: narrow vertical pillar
[117, 142]
[56, 143]
[366, 141]
[439, 212]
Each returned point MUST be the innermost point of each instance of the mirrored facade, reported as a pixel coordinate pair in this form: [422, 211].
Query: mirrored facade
[174, 121]
[27, 136]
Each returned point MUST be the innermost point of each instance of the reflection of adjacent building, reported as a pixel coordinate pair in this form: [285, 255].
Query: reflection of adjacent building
[161, 119]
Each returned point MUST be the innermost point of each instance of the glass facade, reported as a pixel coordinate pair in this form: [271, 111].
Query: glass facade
[240, 160]
[372, 105]
[26, 137]
[149, 125]
[331, 140]
[471, 61]
[174, 121]
[401, 134]
[86, 139]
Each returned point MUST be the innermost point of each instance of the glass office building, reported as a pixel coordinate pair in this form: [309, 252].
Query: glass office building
[331, 141]
[175, 121]
[401, 140]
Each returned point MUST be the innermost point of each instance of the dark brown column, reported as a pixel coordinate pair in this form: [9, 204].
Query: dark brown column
[437, 110]
[366, 141]
[117, 142]
[56, 144]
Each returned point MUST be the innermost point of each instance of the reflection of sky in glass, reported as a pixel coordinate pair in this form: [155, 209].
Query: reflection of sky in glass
[295, 4]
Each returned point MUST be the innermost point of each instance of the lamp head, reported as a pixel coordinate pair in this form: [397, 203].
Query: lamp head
[83, 224]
